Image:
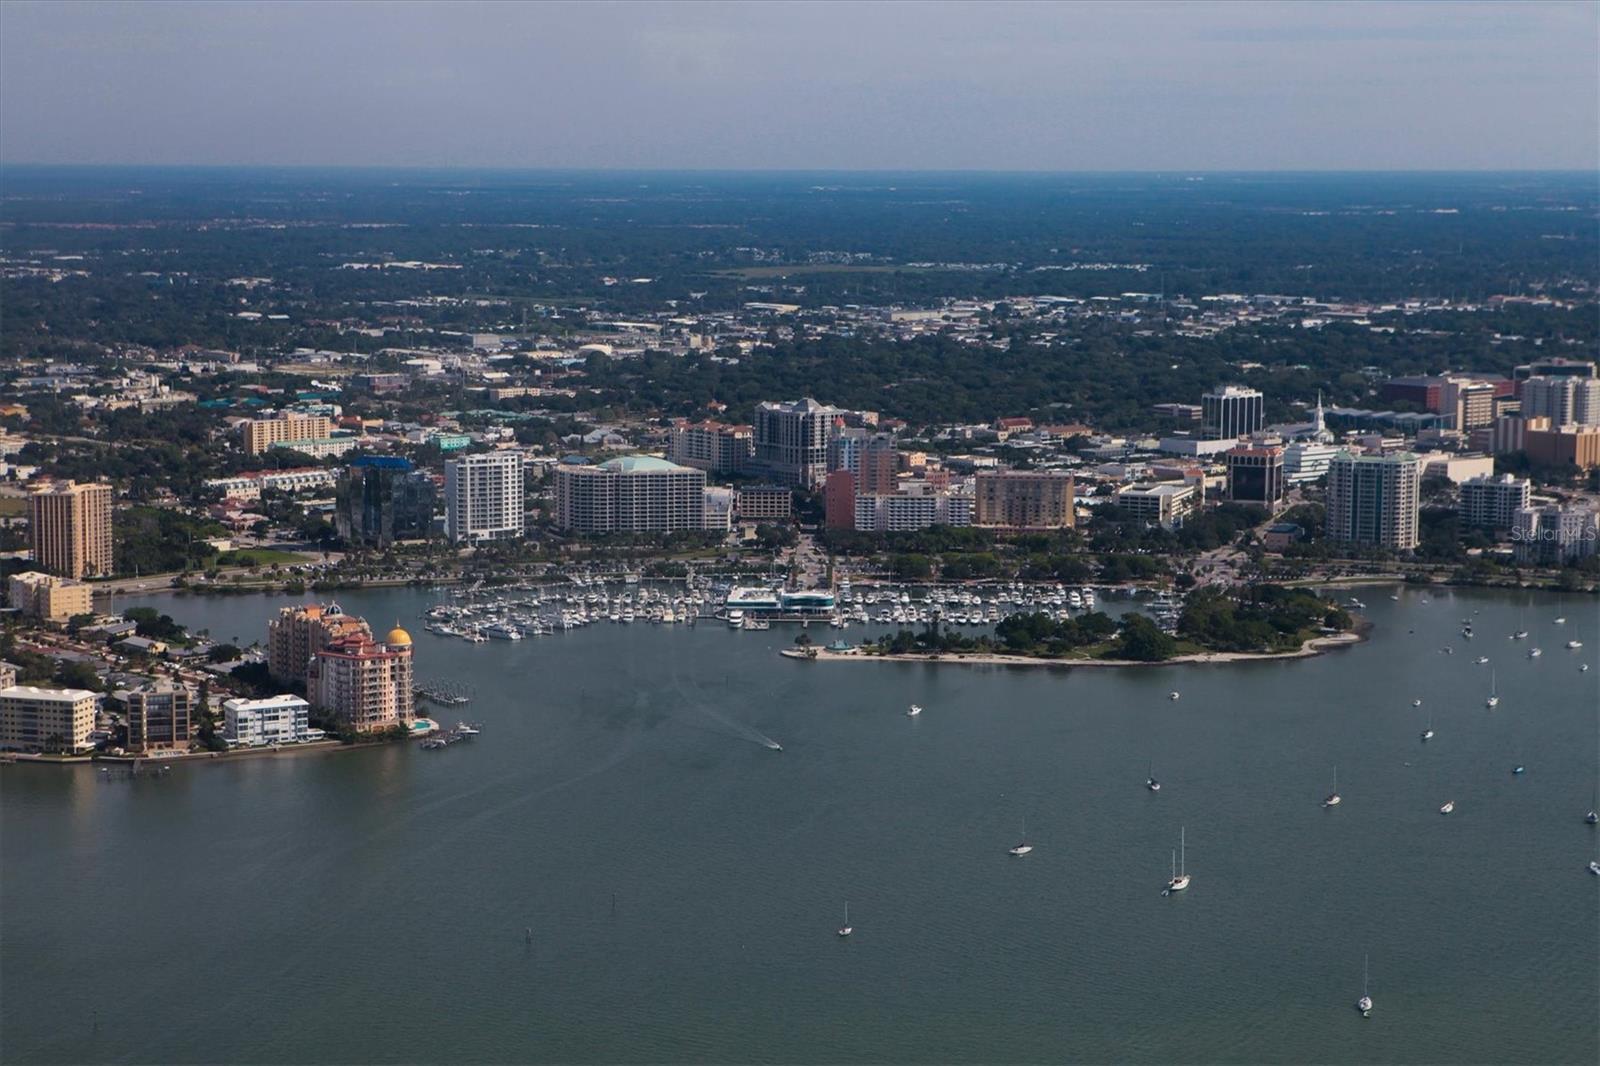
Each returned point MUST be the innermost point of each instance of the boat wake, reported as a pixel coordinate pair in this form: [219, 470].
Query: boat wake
[738, 730]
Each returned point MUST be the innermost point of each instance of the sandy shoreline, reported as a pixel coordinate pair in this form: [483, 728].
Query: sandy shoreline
[1314, 646]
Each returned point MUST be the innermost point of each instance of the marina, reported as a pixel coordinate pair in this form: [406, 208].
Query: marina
[634, 763]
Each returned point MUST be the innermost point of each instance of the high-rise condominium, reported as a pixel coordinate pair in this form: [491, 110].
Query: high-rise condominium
[483, 497]
[71, 525]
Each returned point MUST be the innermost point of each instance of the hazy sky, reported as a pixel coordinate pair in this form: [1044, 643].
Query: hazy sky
[811, 85]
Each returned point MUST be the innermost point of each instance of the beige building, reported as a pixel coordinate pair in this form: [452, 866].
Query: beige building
[159, 714]
[47, 597]
[1024, 499]
[257, 435]
[71, 528]
[1168, 504]
[46, 719]
[362, 685]
[298, 633]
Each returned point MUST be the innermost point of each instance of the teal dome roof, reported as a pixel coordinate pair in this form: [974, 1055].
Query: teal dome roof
[637, 464]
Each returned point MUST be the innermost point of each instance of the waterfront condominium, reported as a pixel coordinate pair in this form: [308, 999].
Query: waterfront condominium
[1228, 412]
[1492, 502]
[362, 685]
[71, 528]
[298, 633]
[275, 720]
[483, 497]
[1024, 499]
[46, 719]
[1373, 500]
[159, 713]
[791, 441]
[632, 494]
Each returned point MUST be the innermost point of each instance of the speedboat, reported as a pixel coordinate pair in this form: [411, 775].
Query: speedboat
[1480, 660]
[467, 730]
[1594, 868]
[1521, 634]
[1574, 643]
[1519, 768]
[1561, 621]
[1021, 849]
[1172, 695]
[1416, 703]
[1583, 669]
[1534, 653]
[914, 710]
[1448, 807]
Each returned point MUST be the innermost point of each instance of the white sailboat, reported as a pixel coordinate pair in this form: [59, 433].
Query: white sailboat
[1427, 734]
[1334, 799]
[1023, 847]
[914, 710]
[1494, 696]
[846, 929]
[1574, 643]
[1173, 694]
[1416, 703]
[1448, 807]
[1364, 1004]
[1180, 876]
[1150, 781]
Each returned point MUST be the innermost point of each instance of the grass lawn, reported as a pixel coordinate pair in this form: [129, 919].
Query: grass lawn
[262, 557]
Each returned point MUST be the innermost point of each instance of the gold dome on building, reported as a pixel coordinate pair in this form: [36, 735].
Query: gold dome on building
[398, 636]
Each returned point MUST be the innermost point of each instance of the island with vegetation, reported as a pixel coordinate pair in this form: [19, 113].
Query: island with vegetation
[1216, 625]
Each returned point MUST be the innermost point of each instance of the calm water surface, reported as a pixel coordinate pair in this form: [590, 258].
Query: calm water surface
[683, 882]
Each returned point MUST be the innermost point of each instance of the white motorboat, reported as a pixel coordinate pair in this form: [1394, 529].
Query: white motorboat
[1480, 660]
[846, 929]
[1448, 807]
[1574, 643]
[914, 710]
[1561, 621]
[1594, 867]
[1494, 697]
[1364, 1004]
[1517, 769]
[1180, 876]
[1333, 798]
[1427, 734]
[1172, 695]
[1416, 703]
[1534, 653]
[1150, 781]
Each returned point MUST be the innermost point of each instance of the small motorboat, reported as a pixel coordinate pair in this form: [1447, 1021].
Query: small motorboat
[1594, 868]
[1172, 695]
[1534, 653]
[914, 710]
[1519, 768]
[1448, 807]
[1416, 703]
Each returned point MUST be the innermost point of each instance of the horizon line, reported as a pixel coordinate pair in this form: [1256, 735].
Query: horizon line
[542, 169]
